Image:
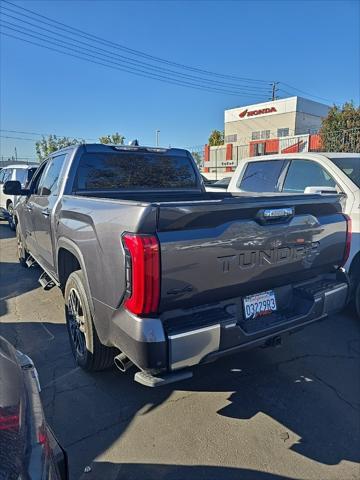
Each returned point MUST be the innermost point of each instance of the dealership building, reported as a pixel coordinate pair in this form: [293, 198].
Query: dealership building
[281, 126]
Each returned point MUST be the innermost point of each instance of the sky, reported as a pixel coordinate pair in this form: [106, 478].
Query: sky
[312, 46]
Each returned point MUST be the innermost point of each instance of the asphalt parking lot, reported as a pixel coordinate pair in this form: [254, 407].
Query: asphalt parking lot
[291, 412]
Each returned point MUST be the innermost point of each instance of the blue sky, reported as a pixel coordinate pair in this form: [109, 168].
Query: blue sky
[310, 45]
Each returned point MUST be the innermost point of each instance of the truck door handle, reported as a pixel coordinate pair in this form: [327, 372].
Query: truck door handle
[46, 212]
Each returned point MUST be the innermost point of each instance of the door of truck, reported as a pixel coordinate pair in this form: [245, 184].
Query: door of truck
[42, 203]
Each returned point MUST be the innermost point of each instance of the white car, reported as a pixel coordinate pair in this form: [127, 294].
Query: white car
[322, 173]
[20, 172]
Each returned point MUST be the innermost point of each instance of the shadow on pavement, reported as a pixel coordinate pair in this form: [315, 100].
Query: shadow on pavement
[149, 471]
[314, 397]
[5, 230]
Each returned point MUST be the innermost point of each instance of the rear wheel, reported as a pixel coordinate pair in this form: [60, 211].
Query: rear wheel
[87, 349]
[22, 252]
[10, 209]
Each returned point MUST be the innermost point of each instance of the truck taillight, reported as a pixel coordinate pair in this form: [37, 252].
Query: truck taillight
[348, 239]
[142, 273]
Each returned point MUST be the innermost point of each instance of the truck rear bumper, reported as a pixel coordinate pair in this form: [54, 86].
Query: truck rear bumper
[156, 349]
[311, 302]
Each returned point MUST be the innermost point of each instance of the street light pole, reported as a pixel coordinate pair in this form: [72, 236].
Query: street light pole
[157, 137]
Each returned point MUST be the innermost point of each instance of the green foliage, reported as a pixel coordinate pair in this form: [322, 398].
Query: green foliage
[52, 143]
[115, 138]
[216, 138]
[340, 130]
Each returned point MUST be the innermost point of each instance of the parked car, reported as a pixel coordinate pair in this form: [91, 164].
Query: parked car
[28, 447]
[218, 185]
[321, 173]
[159, 273]
[23, 174]
[206, 180]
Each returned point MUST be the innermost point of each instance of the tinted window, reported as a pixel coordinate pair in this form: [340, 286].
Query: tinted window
[6, 174]
[134, 170]
[350, 166]
[50, 179]
[21, 175]
[306, 173]
[262, 176]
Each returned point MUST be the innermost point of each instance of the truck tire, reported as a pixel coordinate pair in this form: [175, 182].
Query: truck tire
[22, 252]
[89, 352]
[10, 210]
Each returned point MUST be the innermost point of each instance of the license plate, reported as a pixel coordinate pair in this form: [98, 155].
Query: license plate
[260, 304]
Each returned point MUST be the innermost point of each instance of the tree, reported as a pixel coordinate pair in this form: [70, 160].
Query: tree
[340, 130]
[115, 138]
[52, 143]
[216, 138]
[198, 158]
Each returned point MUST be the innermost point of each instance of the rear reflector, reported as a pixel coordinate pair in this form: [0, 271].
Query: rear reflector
[348, 239]
[143, 273]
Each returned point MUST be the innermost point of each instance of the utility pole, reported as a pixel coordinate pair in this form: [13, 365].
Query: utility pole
[157, 133]
[274, 89]
[15, 154]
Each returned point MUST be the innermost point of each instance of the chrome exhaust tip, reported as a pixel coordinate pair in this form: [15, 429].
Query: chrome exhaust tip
[122, 362]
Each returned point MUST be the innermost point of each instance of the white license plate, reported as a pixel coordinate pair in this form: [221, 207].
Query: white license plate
[260, 304]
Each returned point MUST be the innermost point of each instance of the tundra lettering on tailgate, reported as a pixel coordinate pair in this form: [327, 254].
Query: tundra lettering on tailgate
[272, 256]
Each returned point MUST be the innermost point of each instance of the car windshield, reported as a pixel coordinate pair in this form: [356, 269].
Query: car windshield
[21, 175]
[350, 166]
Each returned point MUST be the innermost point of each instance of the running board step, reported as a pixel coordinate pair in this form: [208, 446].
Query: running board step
[30, 261]
[150, 381]
[46, 282]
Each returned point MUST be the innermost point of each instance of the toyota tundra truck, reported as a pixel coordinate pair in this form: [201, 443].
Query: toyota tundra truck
[158, 273]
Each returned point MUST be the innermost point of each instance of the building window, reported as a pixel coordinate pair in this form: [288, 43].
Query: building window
[231, 138]
[255, 135]
[283, 132]
[265, 134]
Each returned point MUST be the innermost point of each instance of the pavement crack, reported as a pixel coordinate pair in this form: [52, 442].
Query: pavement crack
[337, 393]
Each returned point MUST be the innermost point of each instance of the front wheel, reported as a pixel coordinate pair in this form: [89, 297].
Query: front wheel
[10, 210]
[89, 352]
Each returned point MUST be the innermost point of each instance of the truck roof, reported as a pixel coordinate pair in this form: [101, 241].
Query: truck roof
[100, 147]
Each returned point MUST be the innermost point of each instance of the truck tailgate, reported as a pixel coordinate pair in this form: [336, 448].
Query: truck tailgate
[214, 250]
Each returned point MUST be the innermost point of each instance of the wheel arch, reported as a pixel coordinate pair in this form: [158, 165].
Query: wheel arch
[69, 259]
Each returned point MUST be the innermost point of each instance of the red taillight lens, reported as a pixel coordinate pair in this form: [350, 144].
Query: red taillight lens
[143, 273]
[9, 422]
[348, 239]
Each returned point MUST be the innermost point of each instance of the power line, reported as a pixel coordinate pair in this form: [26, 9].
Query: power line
[302, 91]
[83, 56]
[44, 134]
[123, 59]
[20, 138]
[124, 48]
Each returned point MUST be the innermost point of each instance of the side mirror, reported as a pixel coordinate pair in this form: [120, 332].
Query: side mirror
[13, 187]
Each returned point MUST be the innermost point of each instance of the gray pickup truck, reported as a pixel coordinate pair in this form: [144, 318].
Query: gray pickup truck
[159, 273]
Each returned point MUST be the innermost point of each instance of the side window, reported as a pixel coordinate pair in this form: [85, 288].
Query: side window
[33, 185]
[6, 174]
[50, 179]
[262, 176]
[306, 173]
